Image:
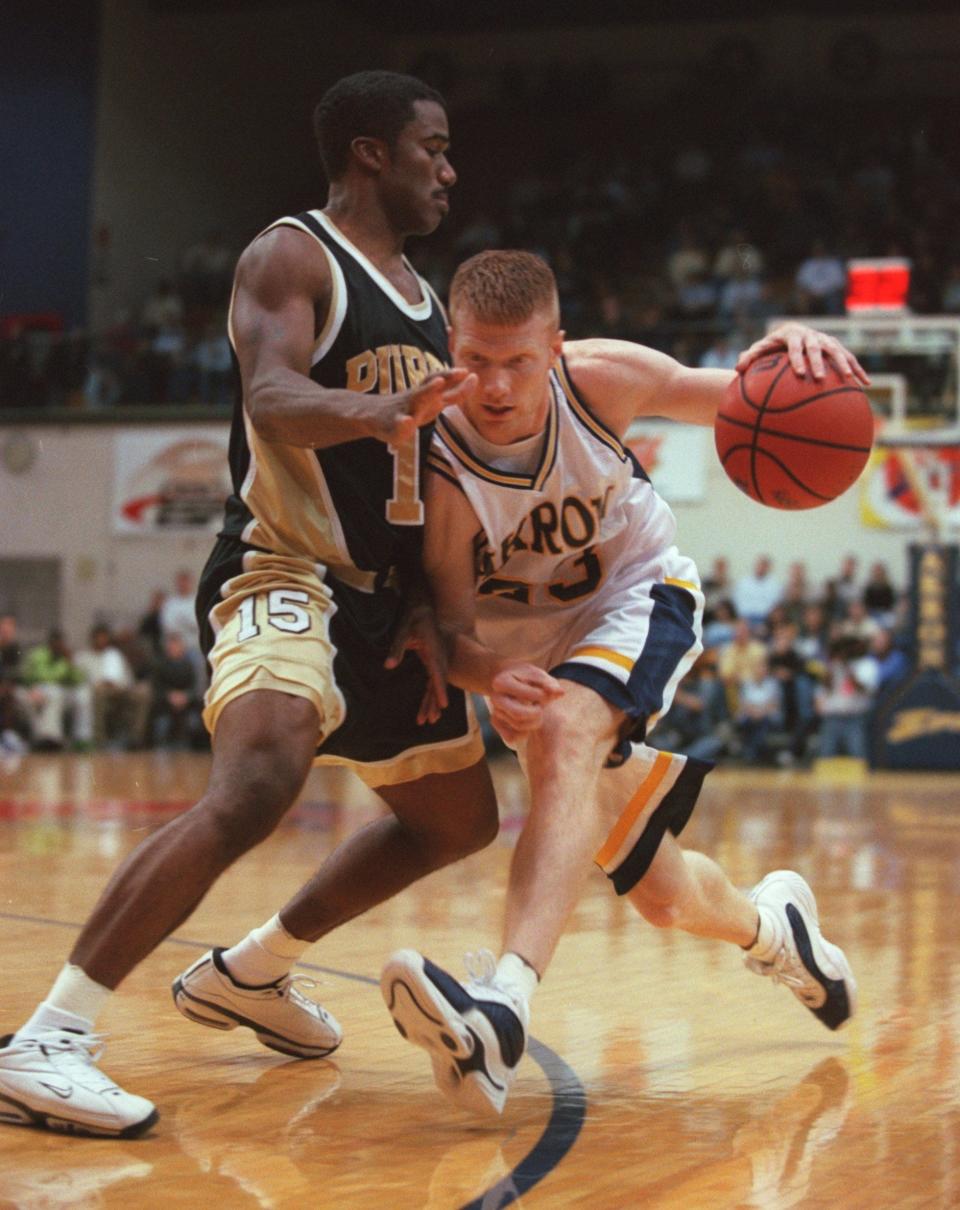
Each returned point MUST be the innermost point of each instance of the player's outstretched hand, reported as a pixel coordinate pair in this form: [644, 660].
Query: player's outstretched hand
[418, 632]
[413, 409]
[806, 347]
[518, 698]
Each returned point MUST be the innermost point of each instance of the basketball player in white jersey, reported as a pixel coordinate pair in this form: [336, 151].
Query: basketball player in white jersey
[554, 569]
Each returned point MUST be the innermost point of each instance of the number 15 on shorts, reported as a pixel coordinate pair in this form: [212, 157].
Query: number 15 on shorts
[280, 608]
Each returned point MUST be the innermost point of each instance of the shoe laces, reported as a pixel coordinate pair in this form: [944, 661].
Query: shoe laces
[481, 967]
[76, 1053]
[291, 987]
[786, 968]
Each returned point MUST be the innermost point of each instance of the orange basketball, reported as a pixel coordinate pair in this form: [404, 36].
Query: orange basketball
[793, 442]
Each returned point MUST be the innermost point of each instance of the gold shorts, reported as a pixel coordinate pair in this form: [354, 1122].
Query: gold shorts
[286, 624]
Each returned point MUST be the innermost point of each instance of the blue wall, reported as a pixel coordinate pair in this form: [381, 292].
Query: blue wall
[48, 59]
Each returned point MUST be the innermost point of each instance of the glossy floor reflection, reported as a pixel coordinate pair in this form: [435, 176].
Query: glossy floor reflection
[663, 1074]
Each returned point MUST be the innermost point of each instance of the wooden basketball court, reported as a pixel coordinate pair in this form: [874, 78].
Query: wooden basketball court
[661, 1074]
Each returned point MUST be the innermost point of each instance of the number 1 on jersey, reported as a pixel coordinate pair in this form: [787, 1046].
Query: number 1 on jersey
[405, 506]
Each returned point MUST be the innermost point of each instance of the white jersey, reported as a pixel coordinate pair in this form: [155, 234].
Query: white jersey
[569, 522]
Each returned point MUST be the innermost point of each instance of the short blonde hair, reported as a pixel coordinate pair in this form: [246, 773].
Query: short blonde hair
[505, 287]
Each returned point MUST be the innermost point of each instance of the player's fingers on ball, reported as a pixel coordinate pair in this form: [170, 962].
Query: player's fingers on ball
[797, 353]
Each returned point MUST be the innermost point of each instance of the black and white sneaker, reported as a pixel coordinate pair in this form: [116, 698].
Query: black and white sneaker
[52, 1080]
[475, 1033]
[278, 1013]
[815, 970]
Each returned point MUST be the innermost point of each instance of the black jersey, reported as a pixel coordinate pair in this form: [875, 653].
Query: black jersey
[357, 504]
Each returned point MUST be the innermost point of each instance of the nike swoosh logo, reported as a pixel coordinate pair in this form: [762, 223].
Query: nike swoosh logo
[64, 1093]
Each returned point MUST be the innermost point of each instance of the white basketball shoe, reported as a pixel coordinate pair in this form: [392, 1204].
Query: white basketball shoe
[815, 970]
[279, 1014]
[475, 1033]
[52, 1080]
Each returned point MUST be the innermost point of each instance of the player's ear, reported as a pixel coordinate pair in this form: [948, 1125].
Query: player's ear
[556, 344]
[370, 152]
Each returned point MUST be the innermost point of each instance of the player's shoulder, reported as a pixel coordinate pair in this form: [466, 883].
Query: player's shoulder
[598, 354]
[604, 369]
[284, 257]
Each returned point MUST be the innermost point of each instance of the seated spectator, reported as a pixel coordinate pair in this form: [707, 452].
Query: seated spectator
[137, 651]
[149, 628]
[842, 589]
[697, 298]
[759, 711]
[892, 663]
[721, 354]
[879, 594]
[796, 594]
[718, 632]
[178, 612]
[695, 722]
[756, 594]
[175, 720]
[796, 689]
[14, 723]
[740, 661]
[742, 296]
[811, 641]
[845, 699]
[162, 309]
[821, 282]
[120, 704]
[11, 652]
[689, 258]
[214, 363]
[858, 624]
[738, 257]
[716, 586]
[54, 692]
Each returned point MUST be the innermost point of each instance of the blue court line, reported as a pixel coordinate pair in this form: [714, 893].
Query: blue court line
[559, 1135]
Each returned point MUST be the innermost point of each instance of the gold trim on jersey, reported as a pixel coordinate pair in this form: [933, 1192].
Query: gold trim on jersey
[603, 653]
[600, 431]
[687, 584]
[456, 445]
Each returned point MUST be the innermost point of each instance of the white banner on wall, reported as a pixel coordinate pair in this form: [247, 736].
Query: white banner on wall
[675, 456]
[170, 481]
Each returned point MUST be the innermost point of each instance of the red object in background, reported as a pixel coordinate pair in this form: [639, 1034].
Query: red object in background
[792, 442]
[38, 321]
[880, 285]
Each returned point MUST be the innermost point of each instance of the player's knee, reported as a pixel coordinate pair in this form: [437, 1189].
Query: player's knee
[245, 811]
[658, 901]
[660, 915]
[561, 735]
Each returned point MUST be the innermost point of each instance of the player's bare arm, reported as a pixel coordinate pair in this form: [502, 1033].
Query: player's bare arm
[622, 381]
[283, 283]
[518, 690]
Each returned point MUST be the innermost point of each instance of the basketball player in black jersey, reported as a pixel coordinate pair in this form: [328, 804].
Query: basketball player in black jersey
[312, 616]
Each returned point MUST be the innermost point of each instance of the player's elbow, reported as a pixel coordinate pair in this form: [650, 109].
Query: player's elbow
[264, 406]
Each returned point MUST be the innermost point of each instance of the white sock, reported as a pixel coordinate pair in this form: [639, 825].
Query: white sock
[75, 1001]
[768, 937]
[518, 974]
[265, 955]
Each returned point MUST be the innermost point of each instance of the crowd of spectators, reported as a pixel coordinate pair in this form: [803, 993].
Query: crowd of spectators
[789, 671]
[129, 688]
[173, 350]
[683, 228]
